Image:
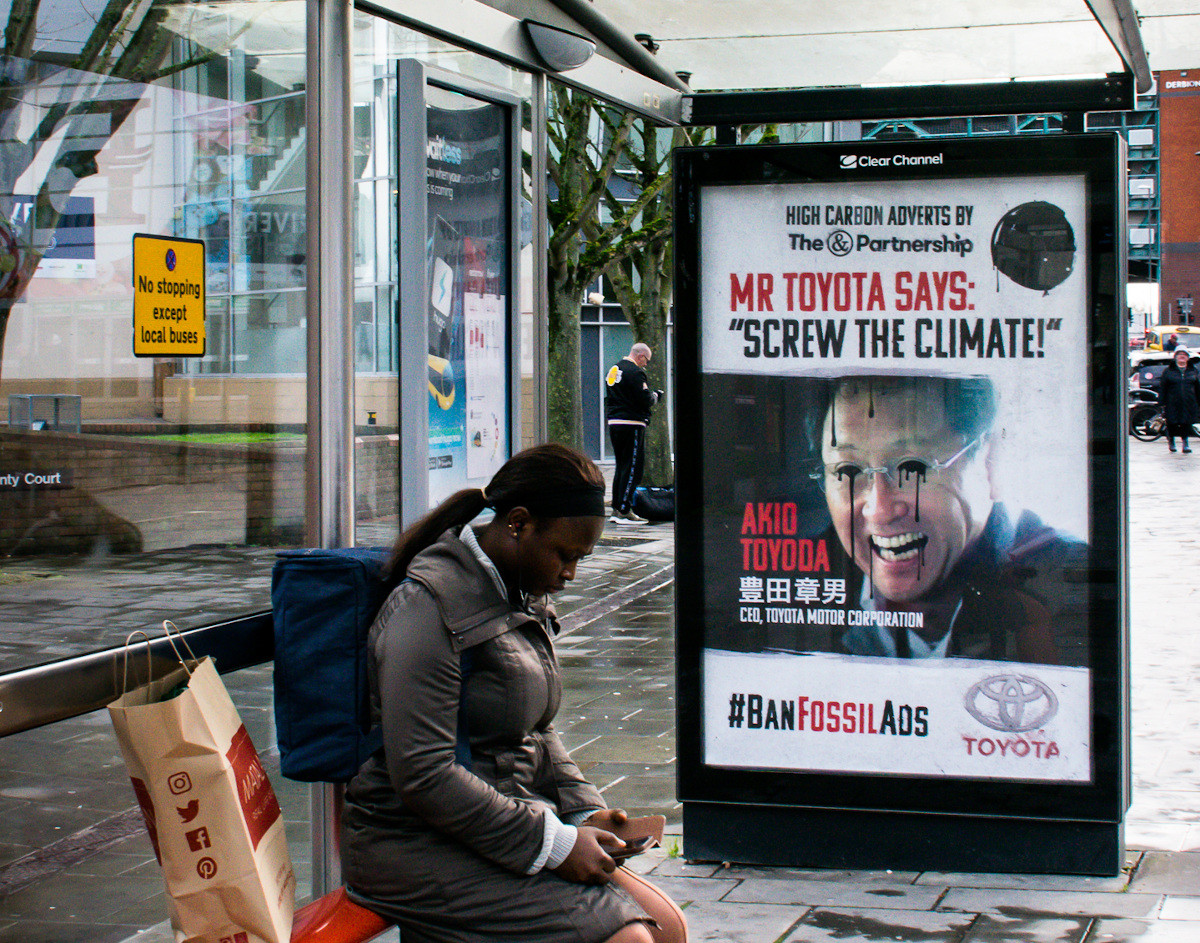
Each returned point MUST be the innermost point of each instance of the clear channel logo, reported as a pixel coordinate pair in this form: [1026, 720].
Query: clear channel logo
[1011, 703]
[858, 161]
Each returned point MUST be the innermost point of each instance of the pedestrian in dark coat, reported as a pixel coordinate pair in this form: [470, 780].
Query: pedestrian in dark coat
[472, 824]
[628, 400]
[1179, 396]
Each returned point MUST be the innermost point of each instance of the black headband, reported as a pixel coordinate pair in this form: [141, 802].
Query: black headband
[587, 501]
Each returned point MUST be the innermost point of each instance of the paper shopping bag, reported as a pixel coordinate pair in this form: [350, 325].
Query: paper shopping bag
[212, 815]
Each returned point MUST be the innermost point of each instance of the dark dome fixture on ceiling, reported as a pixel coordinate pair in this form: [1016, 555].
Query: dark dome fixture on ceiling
[1034, 245]
[559, 49]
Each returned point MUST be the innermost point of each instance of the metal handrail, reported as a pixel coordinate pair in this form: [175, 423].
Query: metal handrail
[59, 690]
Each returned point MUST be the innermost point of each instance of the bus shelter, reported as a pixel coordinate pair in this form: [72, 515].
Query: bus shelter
[355, 176]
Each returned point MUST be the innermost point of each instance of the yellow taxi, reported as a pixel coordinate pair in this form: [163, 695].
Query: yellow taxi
[1188, 335]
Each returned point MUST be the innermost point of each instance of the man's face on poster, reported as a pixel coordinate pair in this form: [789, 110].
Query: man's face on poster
[906, 530]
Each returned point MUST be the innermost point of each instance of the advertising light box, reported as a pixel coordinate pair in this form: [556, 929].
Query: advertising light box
[457, 214]
[900, 492]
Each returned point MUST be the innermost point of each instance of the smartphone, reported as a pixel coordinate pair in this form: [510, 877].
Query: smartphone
[634, 847]
[647, 826]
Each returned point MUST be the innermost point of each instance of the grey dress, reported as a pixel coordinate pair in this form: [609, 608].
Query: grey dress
[441, 841]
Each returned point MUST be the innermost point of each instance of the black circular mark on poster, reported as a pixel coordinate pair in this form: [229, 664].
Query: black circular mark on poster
[1034, 245]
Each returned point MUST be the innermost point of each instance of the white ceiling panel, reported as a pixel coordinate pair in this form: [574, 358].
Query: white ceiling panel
[735, 44]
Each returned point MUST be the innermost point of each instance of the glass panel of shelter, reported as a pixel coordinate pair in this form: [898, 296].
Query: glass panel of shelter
[186, 474]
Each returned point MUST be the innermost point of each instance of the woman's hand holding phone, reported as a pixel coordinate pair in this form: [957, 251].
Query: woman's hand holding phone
[592, 859]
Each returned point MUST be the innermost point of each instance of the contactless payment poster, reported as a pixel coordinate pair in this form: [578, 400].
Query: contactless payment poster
[468, 184]
[896, 527]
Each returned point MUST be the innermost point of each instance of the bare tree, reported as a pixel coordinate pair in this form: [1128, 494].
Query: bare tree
[589, 141]
[580, 165]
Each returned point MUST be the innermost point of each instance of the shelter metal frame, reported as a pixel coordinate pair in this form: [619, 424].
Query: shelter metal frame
[1069, 96]
[48, 693]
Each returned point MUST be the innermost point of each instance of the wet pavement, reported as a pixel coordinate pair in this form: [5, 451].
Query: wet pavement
[75, 864]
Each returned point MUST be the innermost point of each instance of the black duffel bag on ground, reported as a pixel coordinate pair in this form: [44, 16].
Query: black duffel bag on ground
[655, 504]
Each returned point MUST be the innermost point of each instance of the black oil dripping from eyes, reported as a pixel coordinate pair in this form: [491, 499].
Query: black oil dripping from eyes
[833, 421]
[848, 474]
[904, 471]
[918, 471]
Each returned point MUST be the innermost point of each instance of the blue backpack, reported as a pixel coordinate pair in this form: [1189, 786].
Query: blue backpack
[324, 602]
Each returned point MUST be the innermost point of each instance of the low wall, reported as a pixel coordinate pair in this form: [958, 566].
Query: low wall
[266, 399]
[66, 517]
[103, 398]
[213, 401]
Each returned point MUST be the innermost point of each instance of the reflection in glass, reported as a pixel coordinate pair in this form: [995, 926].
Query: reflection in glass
[186, 121]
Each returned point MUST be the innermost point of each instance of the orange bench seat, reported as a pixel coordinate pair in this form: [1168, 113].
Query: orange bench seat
[335, 918]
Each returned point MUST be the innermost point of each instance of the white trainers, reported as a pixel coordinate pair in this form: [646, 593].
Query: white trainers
[627, 517]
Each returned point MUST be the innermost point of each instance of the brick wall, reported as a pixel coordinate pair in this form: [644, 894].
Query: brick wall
[70, 519]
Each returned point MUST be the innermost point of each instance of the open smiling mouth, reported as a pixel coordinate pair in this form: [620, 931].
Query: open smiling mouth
[899, 547]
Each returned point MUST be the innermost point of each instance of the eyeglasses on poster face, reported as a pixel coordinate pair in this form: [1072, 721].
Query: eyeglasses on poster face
[860, 478]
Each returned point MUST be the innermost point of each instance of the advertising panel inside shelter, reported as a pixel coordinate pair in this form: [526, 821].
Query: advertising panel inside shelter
[468, 185]
[897, 520]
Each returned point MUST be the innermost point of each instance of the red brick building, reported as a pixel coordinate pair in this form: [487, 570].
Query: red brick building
[1179, 178]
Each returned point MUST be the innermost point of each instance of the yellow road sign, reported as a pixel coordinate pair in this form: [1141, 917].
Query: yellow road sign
[168, 297]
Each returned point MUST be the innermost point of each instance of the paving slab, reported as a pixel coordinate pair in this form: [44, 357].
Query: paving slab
[1180, 908]
[55, 932]
[872, 926]
[681, 889]
[1033, 882]
[1029, 903]
[741, 923]
[1192, 840]
[994, 928]
[835, 894]
[1143, 931]
[675, 866]
[1160, 873]
[1148, 836]
[831, 874]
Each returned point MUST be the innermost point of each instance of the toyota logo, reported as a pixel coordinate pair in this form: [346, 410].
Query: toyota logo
[1011, 703]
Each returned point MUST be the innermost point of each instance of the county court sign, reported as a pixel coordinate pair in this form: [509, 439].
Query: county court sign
[168, 297]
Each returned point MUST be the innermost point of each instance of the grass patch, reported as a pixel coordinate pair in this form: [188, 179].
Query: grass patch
[227, 438]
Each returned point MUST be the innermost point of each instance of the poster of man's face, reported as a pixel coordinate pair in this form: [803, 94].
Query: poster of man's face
[905, 472]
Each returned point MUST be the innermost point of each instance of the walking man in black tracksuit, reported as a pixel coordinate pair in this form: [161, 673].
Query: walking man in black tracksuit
[628, 400]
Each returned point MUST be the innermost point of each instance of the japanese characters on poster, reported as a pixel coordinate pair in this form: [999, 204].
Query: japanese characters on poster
[893, 531]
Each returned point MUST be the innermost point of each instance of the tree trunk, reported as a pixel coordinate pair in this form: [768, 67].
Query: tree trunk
[565, 399]
[660, 470]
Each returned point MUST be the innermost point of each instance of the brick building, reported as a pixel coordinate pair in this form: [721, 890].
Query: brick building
[1179, 171]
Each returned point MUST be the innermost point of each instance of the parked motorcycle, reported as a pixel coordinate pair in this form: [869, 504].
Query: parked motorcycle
[1146, 421]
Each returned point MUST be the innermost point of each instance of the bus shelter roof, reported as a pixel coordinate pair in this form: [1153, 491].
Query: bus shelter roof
[779, 44]
[736, 45]
[652, 55]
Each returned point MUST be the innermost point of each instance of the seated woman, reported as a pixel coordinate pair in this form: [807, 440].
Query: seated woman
[472, 823]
